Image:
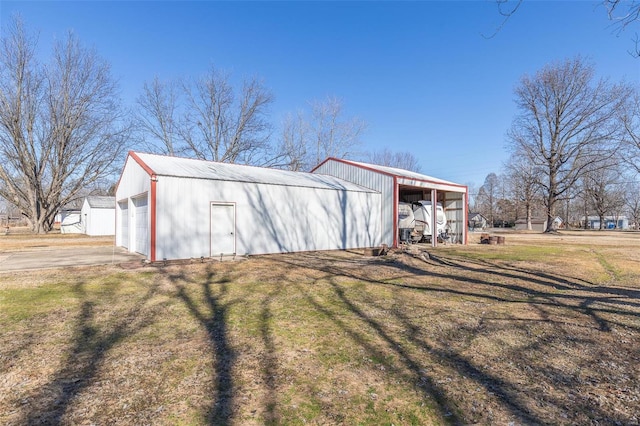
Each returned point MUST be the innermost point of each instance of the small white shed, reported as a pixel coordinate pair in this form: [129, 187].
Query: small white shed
[70, 222]
[178, 208]
[98, 215]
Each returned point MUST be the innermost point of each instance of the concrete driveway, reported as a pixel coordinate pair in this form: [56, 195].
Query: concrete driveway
[60, 257]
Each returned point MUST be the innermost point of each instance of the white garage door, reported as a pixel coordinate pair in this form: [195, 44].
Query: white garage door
[124, 223]
[141, 225]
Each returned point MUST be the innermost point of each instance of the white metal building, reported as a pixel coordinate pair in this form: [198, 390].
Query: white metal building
[70, 222]
[177, 208]
[397, 185]
[98, 216]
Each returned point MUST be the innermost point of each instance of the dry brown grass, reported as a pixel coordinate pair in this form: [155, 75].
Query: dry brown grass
[539, 331]
[22, 240]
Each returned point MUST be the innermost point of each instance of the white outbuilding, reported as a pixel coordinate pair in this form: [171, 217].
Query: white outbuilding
[177, 208]
[70, 222]
[98, 215]
[398, 185]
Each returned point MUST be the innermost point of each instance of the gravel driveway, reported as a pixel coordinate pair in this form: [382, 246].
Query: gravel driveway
[60, 257]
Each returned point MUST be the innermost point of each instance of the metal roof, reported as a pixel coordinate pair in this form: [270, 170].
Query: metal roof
[101, 202]
[162, 165]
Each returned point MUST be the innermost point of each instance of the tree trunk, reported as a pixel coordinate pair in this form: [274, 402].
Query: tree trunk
[551, 201]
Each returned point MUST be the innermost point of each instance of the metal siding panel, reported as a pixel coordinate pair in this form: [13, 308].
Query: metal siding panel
[372, 180]
[269, 218]
[101, 222]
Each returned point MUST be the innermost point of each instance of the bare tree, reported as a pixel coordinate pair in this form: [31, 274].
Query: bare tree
[473, 190]
[333, 135]
[622, 13]
[631, 122]
[157, 117]
[292, 151]
[307, 139]
[602, 188]
[567, 122]
[60, 125]
[524, 180]
[219, 126]
[488, 197]
[401, 160]
[205, 118]
[632, 202]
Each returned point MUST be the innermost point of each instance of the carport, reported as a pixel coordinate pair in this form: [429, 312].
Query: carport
[398, 185]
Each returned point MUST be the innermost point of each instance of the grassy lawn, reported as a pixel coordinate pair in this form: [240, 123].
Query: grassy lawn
[543, 330]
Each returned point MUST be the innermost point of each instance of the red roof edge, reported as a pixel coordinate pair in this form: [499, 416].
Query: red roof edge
[318, 166]
[142, 164]
[373, 169]
[138, 160]
[351, 163]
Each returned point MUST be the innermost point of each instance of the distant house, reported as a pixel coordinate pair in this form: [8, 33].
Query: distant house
[610, 222]
[537, 224]
[477, 221]
[98, 216]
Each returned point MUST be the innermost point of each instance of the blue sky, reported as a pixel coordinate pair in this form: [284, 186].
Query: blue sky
[423, 75]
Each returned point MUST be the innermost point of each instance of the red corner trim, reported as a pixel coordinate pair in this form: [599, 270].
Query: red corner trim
[154, 181]
[465, 225]
[396, 199]
[152, 201]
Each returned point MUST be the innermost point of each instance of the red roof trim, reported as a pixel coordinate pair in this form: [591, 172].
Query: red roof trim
[432, 182]
[342, 160]
[142, 163]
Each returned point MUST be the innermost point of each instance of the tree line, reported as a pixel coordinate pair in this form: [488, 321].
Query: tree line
[574, 149]
[64, 131]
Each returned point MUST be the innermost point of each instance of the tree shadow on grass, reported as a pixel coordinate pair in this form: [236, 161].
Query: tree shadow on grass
[269, 361]
[542, 291]
[211, 312]
[92, 340]
[570, 293]
[541, 288]
[444, 407]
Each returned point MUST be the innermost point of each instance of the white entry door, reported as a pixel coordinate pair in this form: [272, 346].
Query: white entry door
[223, 229]
[141, 225]
[124, 223]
